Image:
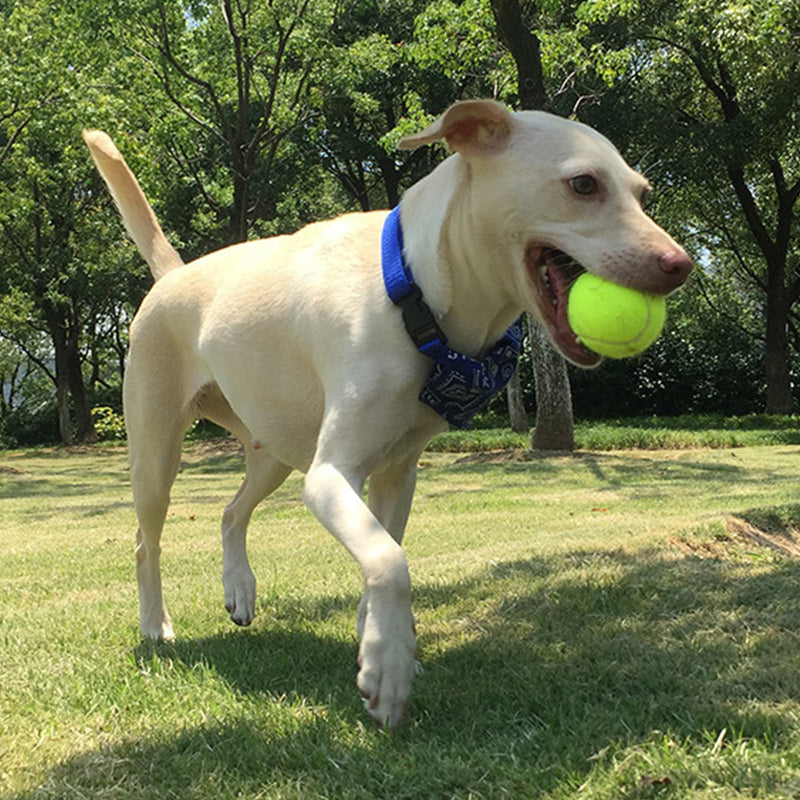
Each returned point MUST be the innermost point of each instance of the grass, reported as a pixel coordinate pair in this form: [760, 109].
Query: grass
[590, 626]
[643, 433]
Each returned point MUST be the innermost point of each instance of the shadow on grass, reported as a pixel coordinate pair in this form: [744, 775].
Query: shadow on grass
[18, 488]
[783, 521]
[612, 645]
[532, 669]
[212, 464]
[606, 470]
[284, 662]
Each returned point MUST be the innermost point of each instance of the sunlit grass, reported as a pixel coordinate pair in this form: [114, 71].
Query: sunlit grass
[644, 433]
[571, 648]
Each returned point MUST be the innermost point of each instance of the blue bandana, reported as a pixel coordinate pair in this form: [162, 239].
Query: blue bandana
[459, 386]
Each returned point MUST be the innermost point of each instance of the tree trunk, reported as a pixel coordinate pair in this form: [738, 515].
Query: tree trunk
[69, 379]
[776, 356]
[391, 181]
[779, 297]
[62, 384]
[80, 397]
[554, 428]
[239, 222]
[525, 50]
[64, 418]
[774, 246]
[516, 408]
[356, 186]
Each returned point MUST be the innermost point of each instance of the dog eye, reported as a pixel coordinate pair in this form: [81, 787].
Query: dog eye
[583, 184]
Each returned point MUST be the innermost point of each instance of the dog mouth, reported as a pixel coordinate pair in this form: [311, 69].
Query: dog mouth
[551, 273]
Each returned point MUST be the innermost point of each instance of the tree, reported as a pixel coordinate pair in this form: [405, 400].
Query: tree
[56, 277]
[241, 76]
[389, 69]
[36, 223]
[708, 100]
[59, 280]
[554, 426]
[709, 360]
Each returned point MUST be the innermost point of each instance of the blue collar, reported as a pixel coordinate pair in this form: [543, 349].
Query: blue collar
[458, 386]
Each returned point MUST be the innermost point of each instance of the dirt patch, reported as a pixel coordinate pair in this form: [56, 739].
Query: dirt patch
[10, 471]
[519, 455]
[492, 457]
[218, 446]
[739, 535]
[784, 540]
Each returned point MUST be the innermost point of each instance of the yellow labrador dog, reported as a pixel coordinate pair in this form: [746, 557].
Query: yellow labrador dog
[294, 345]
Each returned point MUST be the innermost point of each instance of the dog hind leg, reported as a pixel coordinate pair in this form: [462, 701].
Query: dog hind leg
[264, 475]
[154, 464]
[156, 417]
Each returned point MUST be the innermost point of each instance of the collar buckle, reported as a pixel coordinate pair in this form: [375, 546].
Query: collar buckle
[418, 318]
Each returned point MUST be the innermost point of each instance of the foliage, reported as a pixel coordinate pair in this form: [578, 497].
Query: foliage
[707, 360]
[331, 87]
[230, 85]
[56, 280]
[29, 424]
[390, 69]
[708, 105]
[108, 423]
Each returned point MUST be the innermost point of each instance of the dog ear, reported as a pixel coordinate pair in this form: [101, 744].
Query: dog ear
[471, 126]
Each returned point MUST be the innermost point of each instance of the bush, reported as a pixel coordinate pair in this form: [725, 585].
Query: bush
[22, 427]
[705, 362]
[109, 424]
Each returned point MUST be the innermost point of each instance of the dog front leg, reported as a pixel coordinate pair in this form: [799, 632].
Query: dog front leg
[391, 492]
[386, 650]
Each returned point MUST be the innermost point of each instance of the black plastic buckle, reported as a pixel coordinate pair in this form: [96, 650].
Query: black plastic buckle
[419, 320]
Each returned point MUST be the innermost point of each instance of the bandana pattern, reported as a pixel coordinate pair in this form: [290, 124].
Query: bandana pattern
[458, 386]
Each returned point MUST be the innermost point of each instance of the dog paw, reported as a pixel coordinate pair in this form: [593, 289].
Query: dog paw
[154, 619]
[160, 632]
[240, 596]
[387, 669]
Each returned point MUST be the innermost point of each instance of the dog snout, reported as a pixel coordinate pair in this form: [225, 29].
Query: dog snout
[675, 266]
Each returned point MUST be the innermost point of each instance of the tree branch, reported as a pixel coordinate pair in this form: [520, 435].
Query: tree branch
[751, 212]
[733, 318]
[17, 342]
[164, 46]
[185, 163]
[20, 126]
[163, 79]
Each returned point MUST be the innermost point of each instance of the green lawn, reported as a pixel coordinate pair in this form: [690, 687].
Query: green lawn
[604, 625]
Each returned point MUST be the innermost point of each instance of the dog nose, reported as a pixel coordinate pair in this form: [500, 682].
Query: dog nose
[676, 265]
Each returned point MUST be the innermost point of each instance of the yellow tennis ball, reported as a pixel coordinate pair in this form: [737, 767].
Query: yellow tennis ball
[613, 320]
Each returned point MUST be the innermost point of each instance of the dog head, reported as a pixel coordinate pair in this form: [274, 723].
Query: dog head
[556, 198]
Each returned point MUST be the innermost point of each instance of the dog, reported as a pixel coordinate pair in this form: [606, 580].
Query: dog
[293, 344]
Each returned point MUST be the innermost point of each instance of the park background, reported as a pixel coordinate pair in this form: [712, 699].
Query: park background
[621, 621]
[248, 119]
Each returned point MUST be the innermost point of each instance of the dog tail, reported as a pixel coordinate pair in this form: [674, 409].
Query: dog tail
[136, 212]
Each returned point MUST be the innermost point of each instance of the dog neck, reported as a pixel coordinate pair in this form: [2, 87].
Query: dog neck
[459, 386]
[451, 263]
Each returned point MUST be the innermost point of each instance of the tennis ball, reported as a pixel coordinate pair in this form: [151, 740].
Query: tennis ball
[613, 320]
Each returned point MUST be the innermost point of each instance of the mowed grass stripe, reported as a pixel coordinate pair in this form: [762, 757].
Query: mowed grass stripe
[570, 647]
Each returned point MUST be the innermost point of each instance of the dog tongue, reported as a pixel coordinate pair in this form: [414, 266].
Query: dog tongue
[562, 333]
